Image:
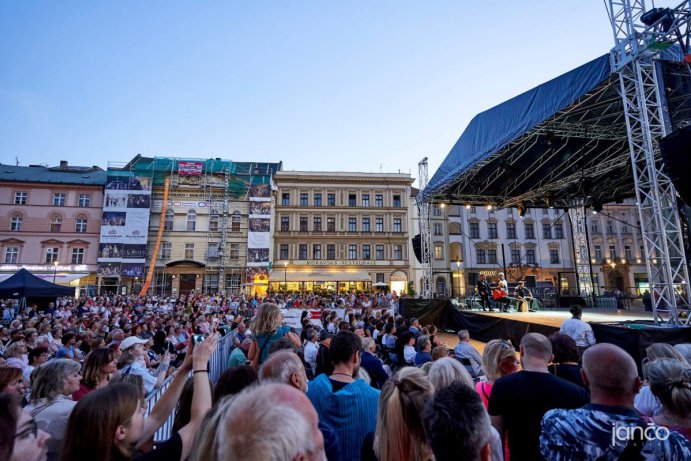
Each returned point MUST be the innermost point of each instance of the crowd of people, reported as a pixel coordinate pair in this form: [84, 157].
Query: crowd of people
[359, 383]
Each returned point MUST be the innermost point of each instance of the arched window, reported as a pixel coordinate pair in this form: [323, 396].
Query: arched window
[55, 223]
[191, 220]
[16, 222]
[235, 222]
[168, 224]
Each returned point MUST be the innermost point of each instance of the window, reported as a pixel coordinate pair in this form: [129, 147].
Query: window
[352, 200]
[530, 255]
[233, 282]
[330, 251]
[80, 225]
[366, 252]
[474, 230]
[594, 227]
[378, 200]
[330, 224]
[628, 254]
[235, 222]
[437, 229]
[625, 229]
[331, 199]
[397, 200]
[304, 200]
[303, 224]
[11, 255]
[317, 199]
[438, 251]
[554, 256]
[454, 228]
[546, 231]
[398, 252]
[558, 231]
[316, 252]
[545, 212]
[492, 230]
[58, 199]
[529, 230]
[379, 225]
[473, 209]
[168, 224]
[302, 251]
[598, 252]
[610, 227]
[352, 224]
[234, 251]
[481, 256]
[20, 198]
[379, 252]
[515, 256]
[492, 256]
[285, 199]
[285, 223]
[510, 230]
[612, 252]
[77, 256]
[16, 222]
[352, 251]
[191, 220]
[283, 252]
[166, 248]
[365, 225]
[189, 250]
[84, 200]
[213, 222]
[365, 199]
[379, 277]
[51, 255]
[55, 223]
[317, 224]
[436, 210]
[397, 225]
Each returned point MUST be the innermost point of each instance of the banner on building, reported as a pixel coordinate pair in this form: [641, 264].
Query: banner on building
[190, 167]
[259, 233]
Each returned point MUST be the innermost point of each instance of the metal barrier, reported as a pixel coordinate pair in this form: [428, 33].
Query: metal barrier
[217, 365]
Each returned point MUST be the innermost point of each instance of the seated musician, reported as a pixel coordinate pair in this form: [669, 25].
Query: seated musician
[501, 293]
[524, 296]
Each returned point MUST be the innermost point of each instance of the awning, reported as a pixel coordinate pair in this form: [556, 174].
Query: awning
[316, 275]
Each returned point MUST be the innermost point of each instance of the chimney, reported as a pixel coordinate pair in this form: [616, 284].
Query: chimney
[63, 164]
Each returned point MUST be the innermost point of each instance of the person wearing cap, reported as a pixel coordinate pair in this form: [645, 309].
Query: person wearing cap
[132, 362]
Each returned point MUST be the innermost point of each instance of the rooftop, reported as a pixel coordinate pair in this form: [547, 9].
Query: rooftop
[62, 174]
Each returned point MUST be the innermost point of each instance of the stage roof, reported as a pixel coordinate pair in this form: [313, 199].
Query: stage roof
[561, 141]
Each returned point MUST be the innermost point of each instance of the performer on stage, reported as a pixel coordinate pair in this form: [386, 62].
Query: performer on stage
[501, 293]
[483, 289]
[524, 296]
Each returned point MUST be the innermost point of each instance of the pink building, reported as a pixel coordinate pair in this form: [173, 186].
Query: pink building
[50, 220]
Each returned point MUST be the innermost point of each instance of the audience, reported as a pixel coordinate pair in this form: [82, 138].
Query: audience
[498, 359]
[465, 352]
[371, 363]
[670, 382]
[565, 363]
[20, 439]
[645, 402]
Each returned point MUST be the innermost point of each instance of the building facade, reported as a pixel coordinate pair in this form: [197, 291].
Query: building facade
[50, 219]
[341, 231]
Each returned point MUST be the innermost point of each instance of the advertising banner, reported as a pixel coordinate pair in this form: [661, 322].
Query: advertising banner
[190, 167]
[259, 233]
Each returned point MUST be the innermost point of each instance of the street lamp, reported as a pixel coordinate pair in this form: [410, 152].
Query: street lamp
[458, 268]
[55, 270]
[285, 276]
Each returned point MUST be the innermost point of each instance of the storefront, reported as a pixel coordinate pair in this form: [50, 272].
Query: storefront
[317, 279]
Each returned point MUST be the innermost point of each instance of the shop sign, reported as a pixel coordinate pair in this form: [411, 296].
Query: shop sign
[45, 268]
[348, 262]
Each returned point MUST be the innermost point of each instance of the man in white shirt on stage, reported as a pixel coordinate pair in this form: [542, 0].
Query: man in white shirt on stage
[580, 331]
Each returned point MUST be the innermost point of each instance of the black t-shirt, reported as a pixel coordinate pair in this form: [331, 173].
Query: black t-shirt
[169, 450]
[522, 399]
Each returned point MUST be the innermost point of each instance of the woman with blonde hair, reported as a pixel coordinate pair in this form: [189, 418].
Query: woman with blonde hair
[670, 382]
[400, 434]
[645, 402]
[268, 328]
[498, 359]
[448, 370]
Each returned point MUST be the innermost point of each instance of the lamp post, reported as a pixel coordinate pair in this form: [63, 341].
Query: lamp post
[285, 276]
[458, 269]
[55, 270]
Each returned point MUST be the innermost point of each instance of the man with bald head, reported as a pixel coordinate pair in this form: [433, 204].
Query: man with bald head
[608, 428]
[518, 401]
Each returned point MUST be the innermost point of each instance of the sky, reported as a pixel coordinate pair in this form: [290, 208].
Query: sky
[320, 85]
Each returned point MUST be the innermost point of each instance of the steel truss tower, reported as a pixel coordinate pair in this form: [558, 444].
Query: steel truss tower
[581, 250]
[425, 233]
[636, 47]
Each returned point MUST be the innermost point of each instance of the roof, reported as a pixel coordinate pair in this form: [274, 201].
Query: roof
[54, 175]
[561, 140]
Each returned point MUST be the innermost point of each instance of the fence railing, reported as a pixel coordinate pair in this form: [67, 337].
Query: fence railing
[217, 366]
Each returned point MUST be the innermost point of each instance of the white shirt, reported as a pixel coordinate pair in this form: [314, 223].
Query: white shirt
[311, 350]
[409, 354]
[580, 331]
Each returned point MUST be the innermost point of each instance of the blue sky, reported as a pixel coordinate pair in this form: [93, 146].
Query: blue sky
[320, 85]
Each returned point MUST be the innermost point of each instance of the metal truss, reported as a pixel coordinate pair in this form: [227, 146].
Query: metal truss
[645, 116]
[581, 251]
[425, 233]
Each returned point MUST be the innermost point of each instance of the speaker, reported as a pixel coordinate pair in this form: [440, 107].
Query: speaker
[676, 149]
[417, 247]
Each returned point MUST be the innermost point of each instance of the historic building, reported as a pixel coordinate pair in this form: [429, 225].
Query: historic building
[345, 231]
[50, 219]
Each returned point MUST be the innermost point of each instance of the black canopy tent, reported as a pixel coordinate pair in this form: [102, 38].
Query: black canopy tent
[24, 284]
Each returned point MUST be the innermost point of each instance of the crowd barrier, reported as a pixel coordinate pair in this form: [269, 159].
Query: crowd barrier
[217, 365]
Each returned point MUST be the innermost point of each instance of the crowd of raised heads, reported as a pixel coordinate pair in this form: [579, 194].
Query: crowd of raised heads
[356, 382]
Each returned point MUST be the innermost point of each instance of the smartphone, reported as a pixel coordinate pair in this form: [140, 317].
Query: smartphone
[197, 339]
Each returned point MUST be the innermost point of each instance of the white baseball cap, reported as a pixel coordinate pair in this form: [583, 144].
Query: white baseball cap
[131, 341]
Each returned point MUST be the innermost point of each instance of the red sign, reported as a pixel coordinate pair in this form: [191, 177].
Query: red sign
[190, 167]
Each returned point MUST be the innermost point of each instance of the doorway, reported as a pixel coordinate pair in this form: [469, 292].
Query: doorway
[188, 283]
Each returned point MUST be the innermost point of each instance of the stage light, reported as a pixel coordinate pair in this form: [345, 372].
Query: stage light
[522, 209]
[549, 200]
[597, 207]
[638, 261]
[467, 206]
[489, 207]
[443, 205]
[654, 15]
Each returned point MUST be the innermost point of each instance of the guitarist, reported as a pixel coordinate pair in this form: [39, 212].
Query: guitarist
[502, 292]
[483, 289]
